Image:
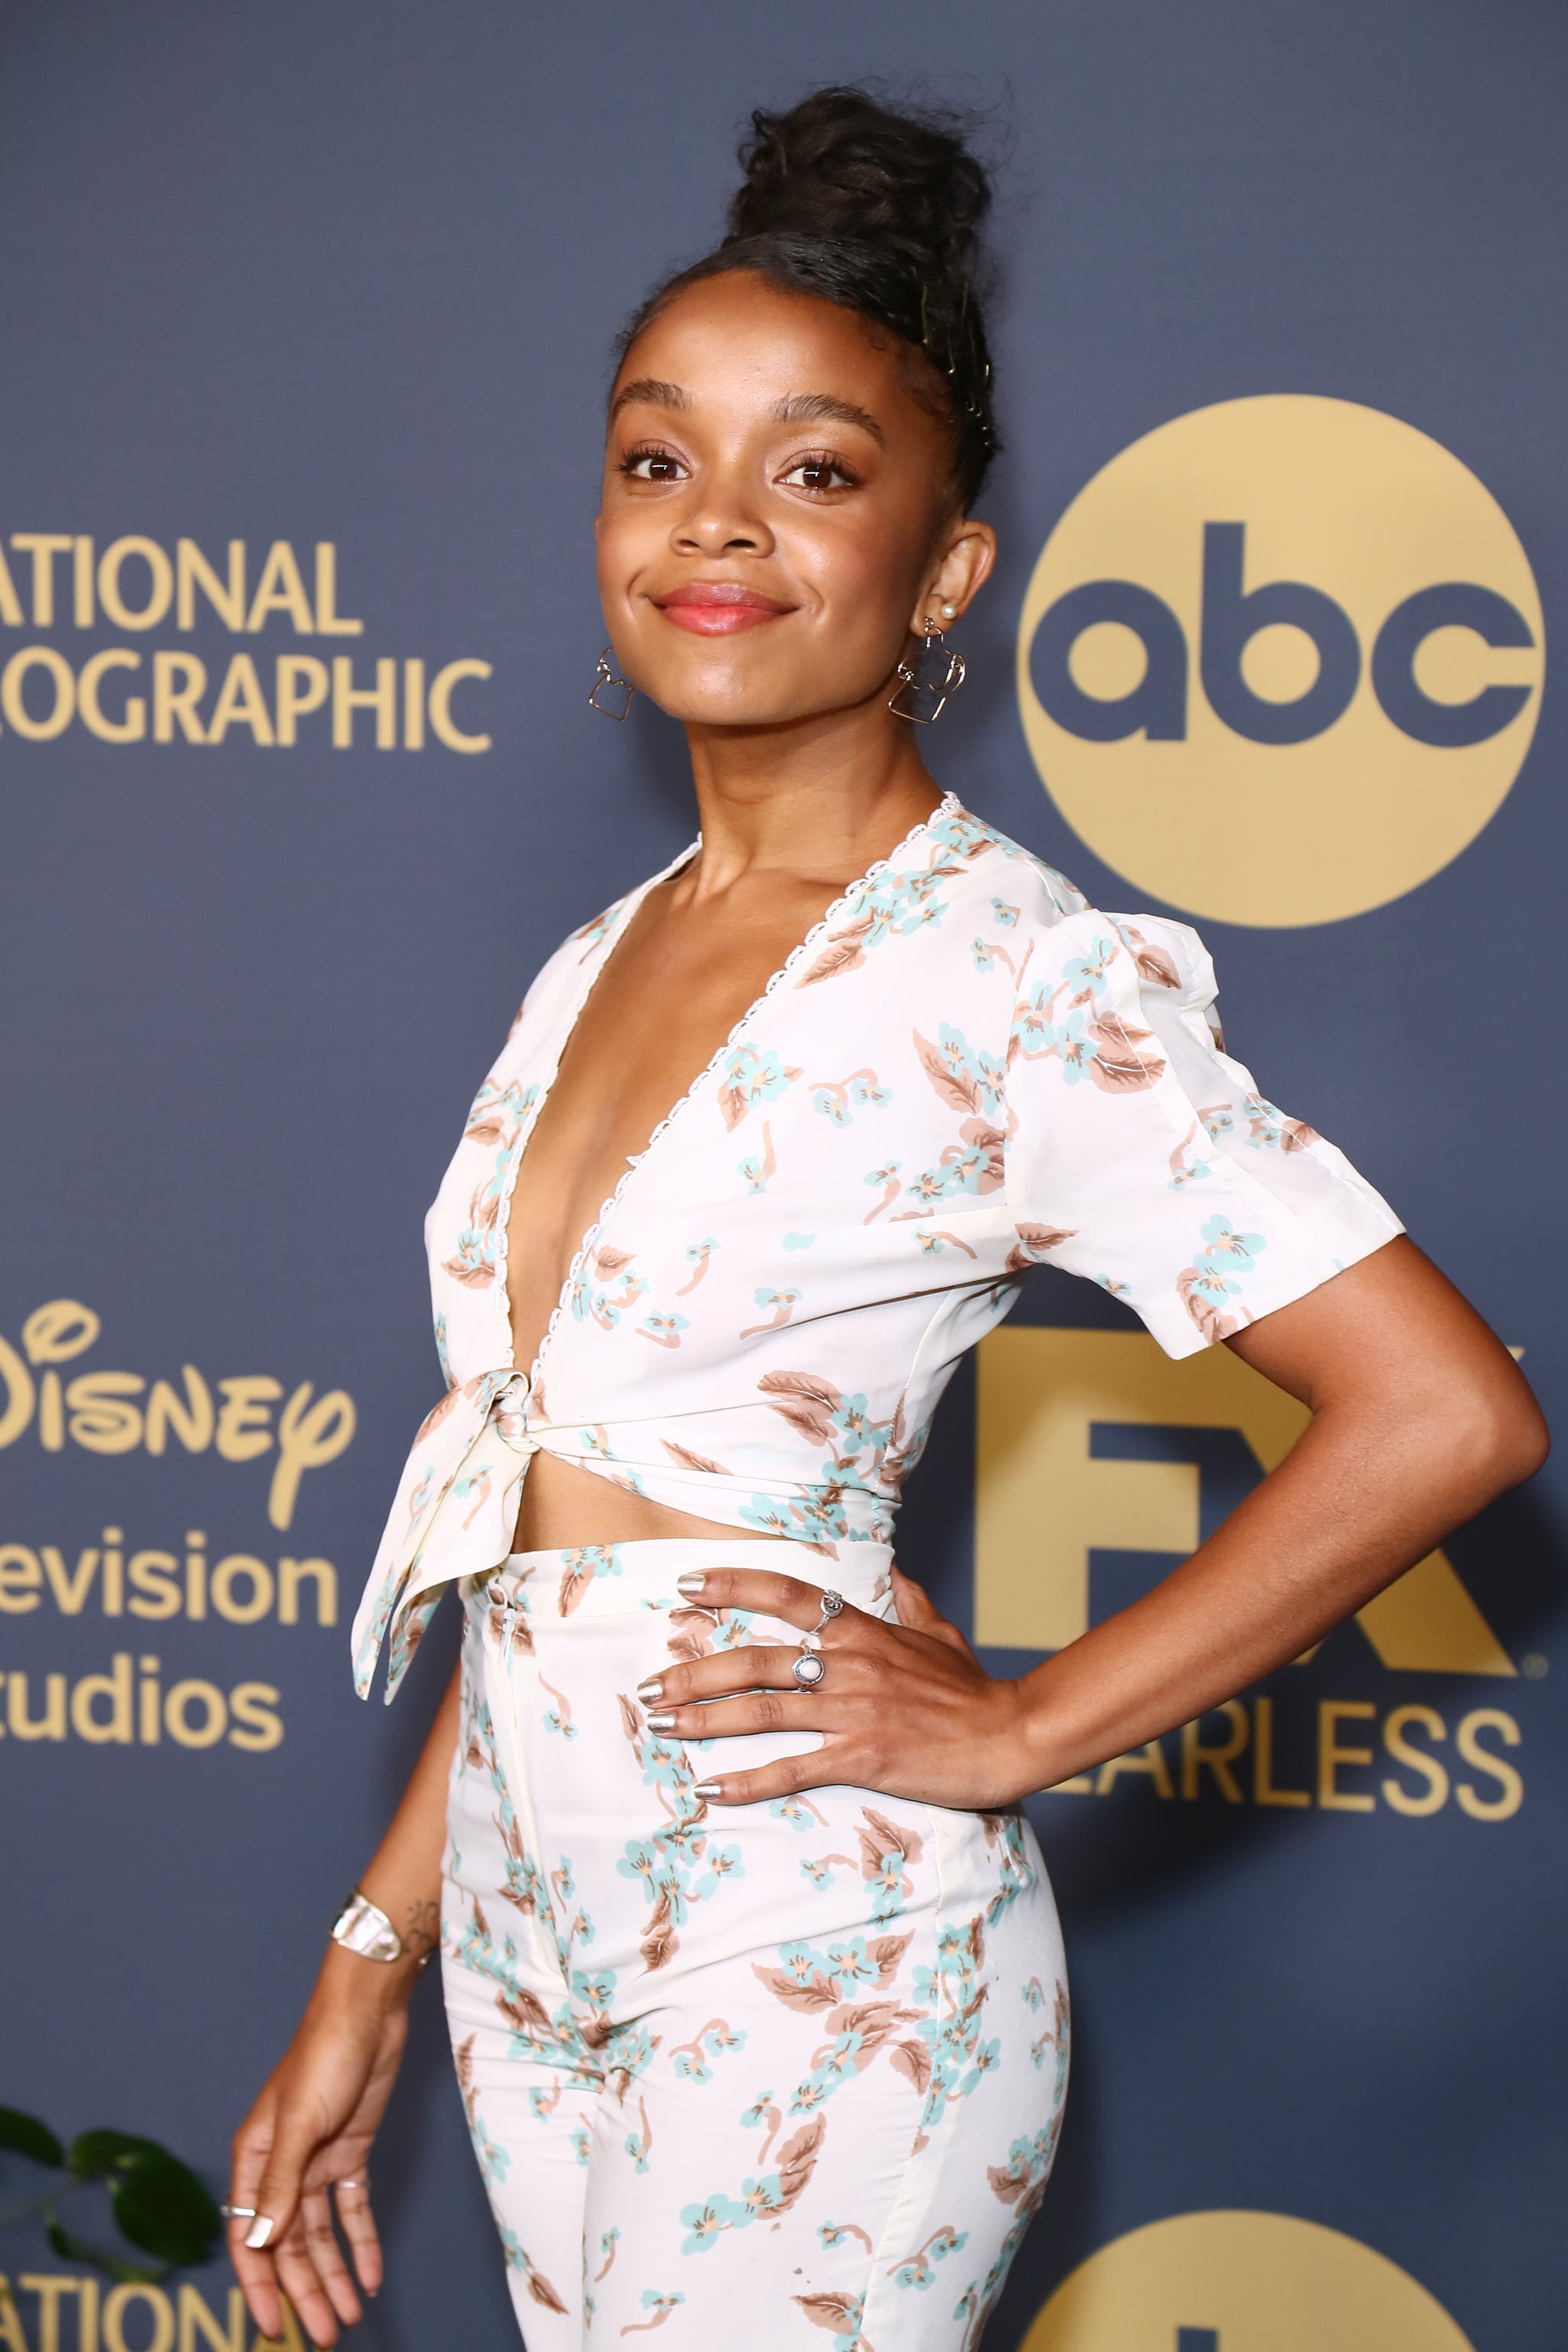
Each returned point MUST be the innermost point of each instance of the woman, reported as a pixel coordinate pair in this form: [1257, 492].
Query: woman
[751, 1962]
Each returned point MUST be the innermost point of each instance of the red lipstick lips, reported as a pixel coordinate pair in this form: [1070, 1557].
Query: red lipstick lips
[717, 608]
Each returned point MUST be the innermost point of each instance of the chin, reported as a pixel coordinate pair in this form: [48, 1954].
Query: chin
[741, 707]
[710, 687]
[730, 691]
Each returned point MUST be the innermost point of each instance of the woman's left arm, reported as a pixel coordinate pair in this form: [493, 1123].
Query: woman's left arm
[1420, 1417]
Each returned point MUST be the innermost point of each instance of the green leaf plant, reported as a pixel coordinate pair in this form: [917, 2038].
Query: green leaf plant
[159, 2205]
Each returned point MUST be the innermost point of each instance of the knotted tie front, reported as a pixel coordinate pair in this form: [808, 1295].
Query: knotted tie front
[457, 1506]
[452, 1516]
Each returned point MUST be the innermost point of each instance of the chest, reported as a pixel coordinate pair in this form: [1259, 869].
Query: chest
[675, 986]
[837, 1135]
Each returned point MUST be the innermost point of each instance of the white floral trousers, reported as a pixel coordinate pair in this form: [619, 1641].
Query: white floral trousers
[740, 2073]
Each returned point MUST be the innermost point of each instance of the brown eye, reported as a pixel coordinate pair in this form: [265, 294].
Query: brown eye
[820, 473]
[651, 466]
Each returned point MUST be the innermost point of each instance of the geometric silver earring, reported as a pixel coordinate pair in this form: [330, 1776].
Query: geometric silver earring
[926, 684]
[606, 682]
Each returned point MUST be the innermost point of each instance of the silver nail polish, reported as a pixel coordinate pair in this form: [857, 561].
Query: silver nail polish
[652, 1689]
[661, 1723]
[260, 2229]
[706, 1789]
[691, 1583]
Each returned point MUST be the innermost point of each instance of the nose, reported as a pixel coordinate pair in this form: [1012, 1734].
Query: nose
[721, 519]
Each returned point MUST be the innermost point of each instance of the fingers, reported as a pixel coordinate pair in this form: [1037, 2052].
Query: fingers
[259, 2287]
[301, 2281]
[914, 1604]
[357, 2222]
[257, 2277]
[326, 2256]
[308, 2264]
[749, 1664]
[788, 1777]
[271, 2188]
[277, 2192]
[311, 2128]
[252, 2147]
[721, 1675]
[257, 2280]
[729, 1719]
[920, 1613]
[755, 1588]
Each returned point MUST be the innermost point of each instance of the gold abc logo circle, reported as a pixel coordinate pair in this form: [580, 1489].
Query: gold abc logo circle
[1241, 2283]
[1280, 660]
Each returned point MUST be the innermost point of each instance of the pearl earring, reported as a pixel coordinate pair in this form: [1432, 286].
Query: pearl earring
[950, 612]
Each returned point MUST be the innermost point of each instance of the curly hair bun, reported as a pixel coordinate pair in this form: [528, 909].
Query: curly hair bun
[880, 212]
[840, 167]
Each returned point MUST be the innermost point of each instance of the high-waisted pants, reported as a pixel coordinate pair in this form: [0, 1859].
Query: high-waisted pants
[733, 2073]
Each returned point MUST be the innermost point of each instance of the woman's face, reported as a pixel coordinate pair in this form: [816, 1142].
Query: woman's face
[777, 513]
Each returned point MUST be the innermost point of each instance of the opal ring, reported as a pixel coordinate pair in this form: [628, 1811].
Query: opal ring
[811, 1666]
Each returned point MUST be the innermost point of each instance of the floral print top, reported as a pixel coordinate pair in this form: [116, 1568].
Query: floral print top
[964, 1071]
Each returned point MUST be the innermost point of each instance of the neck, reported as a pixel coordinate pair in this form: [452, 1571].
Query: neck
[823, 797]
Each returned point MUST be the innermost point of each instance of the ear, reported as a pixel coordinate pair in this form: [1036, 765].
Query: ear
[963, 560]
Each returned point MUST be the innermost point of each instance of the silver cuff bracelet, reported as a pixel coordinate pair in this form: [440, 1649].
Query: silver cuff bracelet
[363, 1928]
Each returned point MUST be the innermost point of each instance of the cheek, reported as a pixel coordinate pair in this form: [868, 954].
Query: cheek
[621, 536]
[865, 577]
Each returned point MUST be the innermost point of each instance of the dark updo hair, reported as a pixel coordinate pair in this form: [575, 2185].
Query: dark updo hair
[880, 212]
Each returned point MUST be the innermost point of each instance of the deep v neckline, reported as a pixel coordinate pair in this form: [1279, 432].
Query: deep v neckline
[631, 907]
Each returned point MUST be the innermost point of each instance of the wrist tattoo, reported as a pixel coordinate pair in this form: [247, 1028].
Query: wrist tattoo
[422, 1930]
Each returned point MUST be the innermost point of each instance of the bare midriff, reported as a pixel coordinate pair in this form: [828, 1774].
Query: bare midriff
[563, 1506]
[688, 968]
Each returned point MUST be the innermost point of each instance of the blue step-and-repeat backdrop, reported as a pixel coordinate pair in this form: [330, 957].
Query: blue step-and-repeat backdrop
[306, 325]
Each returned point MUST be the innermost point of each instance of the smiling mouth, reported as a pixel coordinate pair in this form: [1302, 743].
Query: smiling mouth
[719, 608]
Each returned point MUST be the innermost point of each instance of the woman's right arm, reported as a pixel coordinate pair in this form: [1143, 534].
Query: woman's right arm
[318, 2112]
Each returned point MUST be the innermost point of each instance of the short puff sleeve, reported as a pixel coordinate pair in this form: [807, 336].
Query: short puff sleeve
[1142, 1156]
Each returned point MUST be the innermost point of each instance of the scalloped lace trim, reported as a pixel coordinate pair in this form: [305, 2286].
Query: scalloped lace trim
[949, 805]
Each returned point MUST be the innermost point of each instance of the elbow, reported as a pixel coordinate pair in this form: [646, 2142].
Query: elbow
[1528, 1443]
[1496, 1436]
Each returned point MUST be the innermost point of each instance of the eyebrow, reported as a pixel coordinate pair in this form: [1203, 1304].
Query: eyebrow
[649, 391]
[825, 408]
[799, 408]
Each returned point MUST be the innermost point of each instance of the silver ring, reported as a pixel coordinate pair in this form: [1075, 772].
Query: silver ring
[237, 2212]
[350, 2184]
[811, 1668]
